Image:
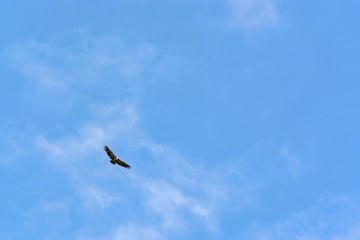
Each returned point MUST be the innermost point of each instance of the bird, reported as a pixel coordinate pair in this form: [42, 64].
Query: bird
[115, 159]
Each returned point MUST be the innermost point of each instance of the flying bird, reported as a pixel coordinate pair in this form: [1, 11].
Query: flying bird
[115, 159]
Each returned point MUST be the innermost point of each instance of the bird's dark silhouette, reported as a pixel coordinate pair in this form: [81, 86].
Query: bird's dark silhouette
[115, 159]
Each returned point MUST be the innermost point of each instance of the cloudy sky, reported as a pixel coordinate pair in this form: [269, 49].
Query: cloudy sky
[240, 119]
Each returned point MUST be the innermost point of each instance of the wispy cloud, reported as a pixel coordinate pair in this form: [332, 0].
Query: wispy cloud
[177, 186]
[253, 14]
[55, 215]
[129, 231]
[133, 232]
[167, 200]
[172, 190]
[292, 161]
[95, 198]
[109, 123]
[333, 217]
[12, 151]
[83, 60]
[177, 190]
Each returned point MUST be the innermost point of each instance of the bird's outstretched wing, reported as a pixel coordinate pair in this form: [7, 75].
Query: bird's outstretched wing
[115, 159]
[109, 152]
[121, 163]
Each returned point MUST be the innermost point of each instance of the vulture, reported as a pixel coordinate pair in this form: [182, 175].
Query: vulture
[115, 159]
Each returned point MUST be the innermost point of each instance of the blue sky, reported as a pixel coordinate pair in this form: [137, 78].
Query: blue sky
[240, 119]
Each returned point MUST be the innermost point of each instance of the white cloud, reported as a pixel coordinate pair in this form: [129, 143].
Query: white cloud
[168, 201]
[253, 14]
[292, 161]
[12, 151]
[95, 198]
[109, 123]
[166, 185]
[129, 231]
[178, 192]
[133, 232]
[55, 215]
[84, 60]
[333, 217]
[176, 187]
